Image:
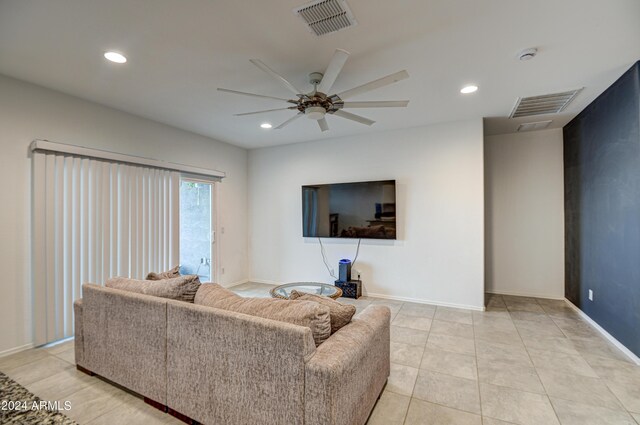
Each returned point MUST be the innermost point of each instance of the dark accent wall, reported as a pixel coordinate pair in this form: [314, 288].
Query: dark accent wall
[602, 209]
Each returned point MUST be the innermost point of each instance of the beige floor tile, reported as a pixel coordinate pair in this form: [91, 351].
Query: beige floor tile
[452, 328]
[134, 411]
[573, 413]
[530, 316]
[494, 300]
[519, 407]
[94, 401]
[576, 328]
[60, 347]
[627, 390]
[451, 343]
[420, 310]
[425, 413]
[35, 371]
[68, 356]
[490, 421]
[402, 379]
[561, 362]
[390, 409]
[393, 305]
[550, 343]
[598, 347]
[454, 315]
[412, 322]
[578, 388]
[405, 354]
[509, 375]
[507, 353]
[460, 365]
[61, 385]
[606, 367]
[496, 335]
[409, 336]
[447, 390]
[22, 358]
[538, 329]
[636, 416]
[489, 320]
[533, 307]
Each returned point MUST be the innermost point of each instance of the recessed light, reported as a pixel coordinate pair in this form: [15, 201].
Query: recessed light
[469, 89]
[115, 57]
[266, 125]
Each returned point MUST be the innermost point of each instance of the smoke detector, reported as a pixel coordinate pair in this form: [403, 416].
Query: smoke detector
[527, 54]
[326, 16]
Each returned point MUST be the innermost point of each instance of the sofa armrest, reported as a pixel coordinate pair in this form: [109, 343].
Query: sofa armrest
[346, 374]
[79, 332]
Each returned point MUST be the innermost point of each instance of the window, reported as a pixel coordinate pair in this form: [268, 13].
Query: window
[197, 235]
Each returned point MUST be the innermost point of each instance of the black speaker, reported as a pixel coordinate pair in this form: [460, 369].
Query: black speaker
[344, 270]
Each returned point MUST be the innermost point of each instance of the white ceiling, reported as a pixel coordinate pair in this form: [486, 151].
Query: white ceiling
[181, 51]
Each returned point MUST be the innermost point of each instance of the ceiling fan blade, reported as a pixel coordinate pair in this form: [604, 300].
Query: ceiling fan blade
[353, 117]
[287, 122]
[324, 126]
[377, 104]
[252, 94]
[376, 84]
[262, 112]
[333, 70]
[275, 75]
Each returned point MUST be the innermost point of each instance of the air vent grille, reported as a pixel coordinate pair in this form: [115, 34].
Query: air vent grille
[545, 104]
[326, 16]
[533, 126]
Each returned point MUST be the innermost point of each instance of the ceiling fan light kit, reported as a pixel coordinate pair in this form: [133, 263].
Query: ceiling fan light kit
[317, 104]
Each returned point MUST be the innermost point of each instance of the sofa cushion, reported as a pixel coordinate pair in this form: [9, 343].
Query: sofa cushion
[303, 313]
[181, 288]
[341, 314]
[169, 274]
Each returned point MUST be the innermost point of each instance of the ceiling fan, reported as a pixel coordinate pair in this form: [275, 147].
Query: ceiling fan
[316, 104]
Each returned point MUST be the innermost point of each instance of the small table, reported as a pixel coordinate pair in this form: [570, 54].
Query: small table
[283, 291]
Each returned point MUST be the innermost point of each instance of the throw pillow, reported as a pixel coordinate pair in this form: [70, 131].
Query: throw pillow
[303, 313]
[181, 288]
[169, 274]
[341, 314]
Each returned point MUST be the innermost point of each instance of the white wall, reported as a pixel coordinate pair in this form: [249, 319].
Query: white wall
[524, 191]
[28, 112]
[439, 254]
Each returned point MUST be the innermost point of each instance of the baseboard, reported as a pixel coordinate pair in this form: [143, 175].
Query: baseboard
[423, 301]
[527, 294]
[604, 333]
[232, 284]
[16, 350]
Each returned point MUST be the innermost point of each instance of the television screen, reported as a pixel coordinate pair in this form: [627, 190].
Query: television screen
[364, 210]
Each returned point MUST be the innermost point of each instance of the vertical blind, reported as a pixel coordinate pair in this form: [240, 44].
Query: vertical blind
[94, 219]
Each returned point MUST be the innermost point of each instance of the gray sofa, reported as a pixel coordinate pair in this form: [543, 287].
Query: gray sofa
[221, 367]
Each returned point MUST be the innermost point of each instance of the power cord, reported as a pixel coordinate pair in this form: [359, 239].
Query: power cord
[326, 263]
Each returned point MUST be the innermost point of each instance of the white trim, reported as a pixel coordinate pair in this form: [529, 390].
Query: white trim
[604, 333]
[526, 294]
[422, 301]
[58, 342]
[11, 351]
[232, 284]
[45, 145]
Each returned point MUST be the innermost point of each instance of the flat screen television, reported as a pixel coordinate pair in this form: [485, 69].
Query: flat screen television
[361, 210]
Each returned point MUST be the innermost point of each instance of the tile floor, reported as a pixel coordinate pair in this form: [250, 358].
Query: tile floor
[523, 361]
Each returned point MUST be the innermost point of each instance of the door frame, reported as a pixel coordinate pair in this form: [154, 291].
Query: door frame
[214, 269]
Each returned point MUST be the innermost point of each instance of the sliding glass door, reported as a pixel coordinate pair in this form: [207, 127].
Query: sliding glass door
[197, 230]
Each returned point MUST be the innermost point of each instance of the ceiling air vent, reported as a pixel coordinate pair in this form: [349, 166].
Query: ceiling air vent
[533, 126]
[545, 104]
[326, 16]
